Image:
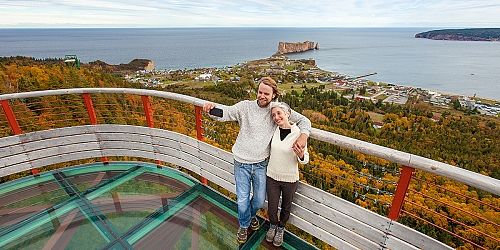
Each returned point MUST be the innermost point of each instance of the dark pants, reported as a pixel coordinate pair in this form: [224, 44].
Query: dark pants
[274, 189]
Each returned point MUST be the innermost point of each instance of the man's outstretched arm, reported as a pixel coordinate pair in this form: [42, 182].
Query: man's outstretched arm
[305, 128]
[300, 143]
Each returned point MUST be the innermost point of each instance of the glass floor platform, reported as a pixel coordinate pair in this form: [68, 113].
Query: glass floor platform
[121, 205]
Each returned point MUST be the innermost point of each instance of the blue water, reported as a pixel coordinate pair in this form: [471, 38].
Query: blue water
[447, 66]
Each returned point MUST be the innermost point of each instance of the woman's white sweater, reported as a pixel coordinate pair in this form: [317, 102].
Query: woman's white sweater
[283, 162]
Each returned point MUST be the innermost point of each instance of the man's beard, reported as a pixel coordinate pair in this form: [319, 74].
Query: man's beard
[263, 103]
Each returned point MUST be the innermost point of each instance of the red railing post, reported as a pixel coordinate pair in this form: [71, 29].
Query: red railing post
[14, 125]
[149, 117]
[199, 127]
[90, 108]
[92, 116]
[147, 110]
[399, 197]
[7, 109]
[199, 131]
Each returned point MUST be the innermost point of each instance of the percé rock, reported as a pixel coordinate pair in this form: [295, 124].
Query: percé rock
[287, 47]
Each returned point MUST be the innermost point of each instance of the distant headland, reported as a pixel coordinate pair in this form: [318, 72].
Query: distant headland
[133, 66]
[287, 47]
[478, 34]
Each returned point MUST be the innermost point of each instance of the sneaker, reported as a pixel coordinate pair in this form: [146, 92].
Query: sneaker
[270, 233]
[254, 224]
[242, 235]
[278, 238]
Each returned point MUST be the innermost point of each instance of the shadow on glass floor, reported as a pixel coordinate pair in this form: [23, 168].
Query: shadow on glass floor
[122, 206]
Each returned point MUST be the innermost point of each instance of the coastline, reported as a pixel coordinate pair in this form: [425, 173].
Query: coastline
[359, 87]
[393, 53]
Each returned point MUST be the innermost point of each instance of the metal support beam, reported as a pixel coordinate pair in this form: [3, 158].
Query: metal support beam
[7, 109]
[90, 108]
[147, 110]
[199, 131]
[14, 125]
[399, 197]
[149, 118]
[92, 116]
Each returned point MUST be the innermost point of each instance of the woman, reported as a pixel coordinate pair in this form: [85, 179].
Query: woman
[282, 170]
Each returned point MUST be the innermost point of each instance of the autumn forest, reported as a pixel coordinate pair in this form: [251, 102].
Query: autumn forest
[458, 138]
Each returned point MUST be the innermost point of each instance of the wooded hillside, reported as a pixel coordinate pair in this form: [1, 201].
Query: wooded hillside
[461, 139]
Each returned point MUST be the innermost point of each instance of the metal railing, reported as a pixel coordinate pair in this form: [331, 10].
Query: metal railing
[78, 125]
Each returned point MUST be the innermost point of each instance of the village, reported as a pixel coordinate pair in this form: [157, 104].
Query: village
[293, 74]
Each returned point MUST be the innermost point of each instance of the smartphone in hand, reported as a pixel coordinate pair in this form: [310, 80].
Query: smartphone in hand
[216, 112]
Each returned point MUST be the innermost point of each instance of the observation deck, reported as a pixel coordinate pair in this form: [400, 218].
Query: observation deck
[121, 205]
[107, 168]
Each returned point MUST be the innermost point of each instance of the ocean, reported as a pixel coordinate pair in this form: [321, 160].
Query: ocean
[457, 67]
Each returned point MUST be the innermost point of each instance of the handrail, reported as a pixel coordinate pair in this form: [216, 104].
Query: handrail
[169, 95]
[470, 178]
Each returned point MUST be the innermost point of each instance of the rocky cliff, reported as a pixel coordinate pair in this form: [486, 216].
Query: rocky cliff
[134, 65]
[151, 66]
[286, 47]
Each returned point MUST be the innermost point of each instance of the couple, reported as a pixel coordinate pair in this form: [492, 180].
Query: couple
[259, 139]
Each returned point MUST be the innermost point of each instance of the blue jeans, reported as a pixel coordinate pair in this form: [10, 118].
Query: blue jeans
[248, 176]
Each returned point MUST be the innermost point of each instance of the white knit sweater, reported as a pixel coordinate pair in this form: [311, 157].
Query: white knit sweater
[283, 162]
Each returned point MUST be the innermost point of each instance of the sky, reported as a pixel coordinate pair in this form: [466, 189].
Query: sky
[253, 13]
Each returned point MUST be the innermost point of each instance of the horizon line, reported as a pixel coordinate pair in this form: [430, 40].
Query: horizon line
[295, 27]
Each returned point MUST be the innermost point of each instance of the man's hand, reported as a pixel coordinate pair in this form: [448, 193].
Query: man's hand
[208, 106]
[299, 145]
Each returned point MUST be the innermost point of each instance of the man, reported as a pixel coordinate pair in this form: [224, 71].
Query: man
[252, 147]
